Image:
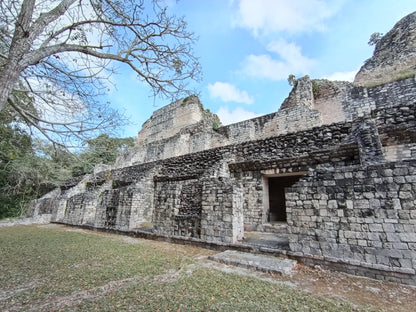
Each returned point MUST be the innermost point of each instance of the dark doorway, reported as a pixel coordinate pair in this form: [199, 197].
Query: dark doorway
[277, 200]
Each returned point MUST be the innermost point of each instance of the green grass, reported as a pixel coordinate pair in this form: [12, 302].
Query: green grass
[404, 74]
[51, 269]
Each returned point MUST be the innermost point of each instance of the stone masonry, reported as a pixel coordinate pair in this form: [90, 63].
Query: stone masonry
[336, 164]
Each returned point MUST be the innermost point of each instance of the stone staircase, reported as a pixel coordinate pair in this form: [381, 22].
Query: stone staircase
[272, 236]
[271, 242]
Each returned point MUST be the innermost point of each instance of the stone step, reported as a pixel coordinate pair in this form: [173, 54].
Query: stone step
[266, 239]
[264, 263]
[280, 227]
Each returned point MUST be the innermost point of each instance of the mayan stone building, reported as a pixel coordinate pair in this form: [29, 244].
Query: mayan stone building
[334, 167]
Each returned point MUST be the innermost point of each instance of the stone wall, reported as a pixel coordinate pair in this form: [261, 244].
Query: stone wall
[331, 102]
[285, 121]
[178, 207]
[330, 99]
[171, 119]
[361, 216]
[397, 131]
[43, 205]
[173, 130]
[222, 211]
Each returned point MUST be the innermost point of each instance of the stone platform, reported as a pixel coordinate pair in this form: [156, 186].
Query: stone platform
[264, 263]
[265, 239]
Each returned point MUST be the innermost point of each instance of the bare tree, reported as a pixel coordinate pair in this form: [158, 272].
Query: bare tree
[59, 55]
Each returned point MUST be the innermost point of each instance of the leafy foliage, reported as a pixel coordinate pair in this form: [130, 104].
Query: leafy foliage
[56, 58]
[15, 144]
[30, 168]
[101, 150]
[291, 79]
[374, 38]
[315, 89]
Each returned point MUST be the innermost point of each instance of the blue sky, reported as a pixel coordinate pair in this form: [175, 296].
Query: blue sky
[247, 49]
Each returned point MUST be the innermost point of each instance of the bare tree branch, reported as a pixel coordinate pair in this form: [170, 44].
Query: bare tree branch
[61, 51]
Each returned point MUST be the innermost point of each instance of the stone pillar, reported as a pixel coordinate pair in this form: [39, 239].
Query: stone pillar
[366, 134]
[222, 211]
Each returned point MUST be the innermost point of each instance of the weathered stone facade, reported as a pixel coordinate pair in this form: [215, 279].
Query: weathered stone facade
[336, 164]
[394, 56]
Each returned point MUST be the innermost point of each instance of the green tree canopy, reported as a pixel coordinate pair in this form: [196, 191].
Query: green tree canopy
[26, 169]
[101, 150]
[31, 168]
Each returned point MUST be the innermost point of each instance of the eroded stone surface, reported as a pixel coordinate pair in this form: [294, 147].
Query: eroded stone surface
[394, 55]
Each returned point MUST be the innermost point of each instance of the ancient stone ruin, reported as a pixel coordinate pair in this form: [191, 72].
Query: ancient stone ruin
[333, 171]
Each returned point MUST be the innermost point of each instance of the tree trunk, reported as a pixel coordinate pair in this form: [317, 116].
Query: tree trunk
[8, 79]
[20, 45]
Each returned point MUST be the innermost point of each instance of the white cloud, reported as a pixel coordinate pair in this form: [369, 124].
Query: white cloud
[291, 62]
[238, 114]
[268, 16]
[342, 76]
[229, 93]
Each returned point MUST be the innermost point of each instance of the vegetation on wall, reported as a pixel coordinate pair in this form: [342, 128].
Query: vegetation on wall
[291, 79]
[375, 38]
[315, 89]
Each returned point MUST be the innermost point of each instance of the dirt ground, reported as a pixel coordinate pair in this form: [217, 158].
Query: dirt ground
[357, 290]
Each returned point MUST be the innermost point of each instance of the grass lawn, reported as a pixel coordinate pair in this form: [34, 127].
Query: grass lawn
[52, 268]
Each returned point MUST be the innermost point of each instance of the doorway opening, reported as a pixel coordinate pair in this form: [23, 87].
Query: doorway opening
[277, 199]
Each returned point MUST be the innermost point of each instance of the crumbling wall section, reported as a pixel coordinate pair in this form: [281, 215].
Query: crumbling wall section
[113, 209]
[134, 186]
[44, 205]
[66, 191]
[361, 102]
[394, 56]
[330, 98]
[75, 208]
[170, 132]
[171, 119]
